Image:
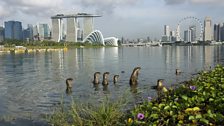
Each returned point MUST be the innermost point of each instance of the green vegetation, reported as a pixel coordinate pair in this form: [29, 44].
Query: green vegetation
[199, 101]
[196, 102]
[106, 113]
[46, 44]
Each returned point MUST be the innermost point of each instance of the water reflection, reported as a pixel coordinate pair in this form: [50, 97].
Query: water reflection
[34, 82]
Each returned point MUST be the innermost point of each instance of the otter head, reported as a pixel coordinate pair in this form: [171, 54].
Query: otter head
[160, 83]
[96, 78]
[178, 71]
[105, 78]
[69, 82]
[134, 76]
[116, 78]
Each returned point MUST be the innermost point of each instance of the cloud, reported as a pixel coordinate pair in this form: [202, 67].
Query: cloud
[216, 2]
[10, 8]
[107, 6]
[170, 2]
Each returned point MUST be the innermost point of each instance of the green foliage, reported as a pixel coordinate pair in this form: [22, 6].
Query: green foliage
[106, 113]
[196, 102]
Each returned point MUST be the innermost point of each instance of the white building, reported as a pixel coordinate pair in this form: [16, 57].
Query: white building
[207, 29]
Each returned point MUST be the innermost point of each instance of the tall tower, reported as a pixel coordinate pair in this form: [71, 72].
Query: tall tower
[88, 26]
[71, 29]
[187, 35]
[193, 33]
[13, 30]
[216, 32]
[57, 29]
[166, 30]
[208, 29]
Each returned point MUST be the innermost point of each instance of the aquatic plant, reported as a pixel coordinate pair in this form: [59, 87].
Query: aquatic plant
[199, 101]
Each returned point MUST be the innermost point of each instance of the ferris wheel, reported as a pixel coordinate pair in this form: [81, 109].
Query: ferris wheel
[191, 24]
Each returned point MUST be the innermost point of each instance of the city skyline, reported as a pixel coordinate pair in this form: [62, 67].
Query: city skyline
[128, 18]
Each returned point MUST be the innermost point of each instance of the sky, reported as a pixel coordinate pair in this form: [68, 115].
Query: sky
[130, 19]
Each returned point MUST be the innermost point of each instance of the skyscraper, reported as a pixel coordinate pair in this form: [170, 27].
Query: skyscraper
[166, 30]
[216, 32]
[44, 32]
[187, 35]
[1, 34]
[13, 30]
[71, 30]
[28, 33]
[193, 33]
[207, 29]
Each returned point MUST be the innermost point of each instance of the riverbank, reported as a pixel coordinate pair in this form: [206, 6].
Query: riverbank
[196, 102]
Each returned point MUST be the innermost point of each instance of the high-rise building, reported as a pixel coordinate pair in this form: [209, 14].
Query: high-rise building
[187, 35]
[219, 32]
[193, 33]
[44, 32]
[56, 29]
[28, 33]
[207, 29]
[216, 32]
[71, 30]
[35, 33]
[166, 30]
[1, 34]
[88, 26]
[13, 30]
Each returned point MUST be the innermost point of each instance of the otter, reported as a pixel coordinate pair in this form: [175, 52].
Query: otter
[160, 87]
[134, 76]
[96, 78]
[105, 78]
[116, 78]
[178, 71]
[69, 82]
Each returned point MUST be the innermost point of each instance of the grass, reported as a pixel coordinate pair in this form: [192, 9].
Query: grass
[105, 113]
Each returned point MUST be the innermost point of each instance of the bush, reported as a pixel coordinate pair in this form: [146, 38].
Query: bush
[196, 102]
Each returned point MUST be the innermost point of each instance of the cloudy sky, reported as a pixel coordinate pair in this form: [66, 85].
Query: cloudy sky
[128, 18]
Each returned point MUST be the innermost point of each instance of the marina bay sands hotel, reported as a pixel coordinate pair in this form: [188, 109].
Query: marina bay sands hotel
[72, 26]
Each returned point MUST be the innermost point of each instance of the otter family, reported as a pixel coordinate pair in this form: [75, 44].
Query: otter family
[133, 81]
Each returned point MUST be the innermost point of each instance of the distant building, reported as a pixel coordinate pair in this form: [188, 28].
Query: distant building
[44, 31]
[166, 30]
[1, 34]
[28, 33]
[35, 33]
[13, 30]
[172, 36]
[207, 29]
[187, 35]
[193, 33]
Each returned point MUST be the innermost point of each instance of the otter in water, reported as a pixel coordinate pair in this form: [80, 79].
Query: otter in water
[116, 78]
[134, 76]
[69, 82]
[160, 87]
[105, 78]
[96, 78]
[178, 71]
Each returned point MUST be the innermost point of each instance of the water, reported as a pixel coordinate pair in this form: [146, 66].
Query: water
[33, 83]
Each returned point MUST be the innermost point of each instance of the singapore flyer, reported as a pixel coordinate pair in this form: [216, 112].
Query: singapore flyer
[189, 29]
